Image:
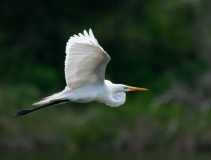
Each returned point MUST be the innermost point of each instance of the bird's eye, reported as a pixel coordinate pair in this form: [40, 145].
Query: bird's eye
[126, 87]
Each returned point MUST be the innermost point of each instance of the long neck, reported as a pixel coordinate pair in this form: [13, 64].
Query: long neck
[113, 94]
[117, 99]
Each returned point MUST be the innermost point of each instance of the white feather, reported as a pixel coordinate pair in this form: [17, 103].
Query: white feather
[85, 62]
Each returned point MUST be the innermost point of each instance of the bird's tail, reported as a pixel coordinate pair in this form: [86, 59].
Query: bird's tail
[48, 99]
[52, 98]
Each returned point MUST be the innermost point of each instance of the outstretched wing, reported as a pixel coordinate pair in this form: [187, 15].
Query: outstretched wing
[85, 62]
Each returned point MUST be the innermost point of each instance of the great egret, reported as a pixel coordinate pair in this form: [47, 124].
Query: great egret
[85, 66]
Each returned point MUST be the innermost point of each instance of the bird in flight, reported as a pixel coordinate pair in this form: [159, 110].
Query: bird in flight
[85, 66]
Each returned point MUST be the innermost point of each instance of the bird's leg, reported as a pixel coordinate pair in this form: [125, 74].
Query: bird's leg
[26, 111]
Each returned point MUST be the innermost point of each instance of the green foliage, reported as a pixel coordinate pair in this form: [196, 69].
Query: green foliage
[153, 44]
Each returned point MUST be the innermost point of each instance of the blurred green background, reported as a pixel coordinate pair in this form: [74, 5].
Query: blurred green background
[161, 45]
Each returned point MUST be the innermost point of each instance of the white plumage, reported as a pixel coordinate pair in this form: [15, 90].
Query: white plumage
[85, 66]
[85, 62]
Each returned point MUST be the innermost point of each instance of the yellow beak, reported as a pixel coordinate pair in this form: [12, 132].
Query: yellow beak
[136, 88]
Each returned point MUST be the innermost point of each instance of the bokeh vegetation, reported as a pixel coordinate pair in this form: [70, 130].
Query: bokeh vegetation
[161, 45]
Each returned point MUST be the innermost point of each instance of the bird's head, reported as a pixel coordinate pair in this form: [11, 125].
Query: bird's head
[130, 88]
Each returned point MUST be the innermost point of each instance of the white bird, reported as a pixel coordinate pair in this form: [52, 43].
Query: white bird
[85, 66]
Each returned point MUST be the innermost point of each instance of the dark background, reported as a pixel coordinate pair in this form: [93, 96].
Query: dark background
[160, 45]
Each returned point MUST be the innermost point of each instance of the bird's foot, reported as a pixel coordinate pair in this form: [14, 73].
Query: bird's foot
[25, 111]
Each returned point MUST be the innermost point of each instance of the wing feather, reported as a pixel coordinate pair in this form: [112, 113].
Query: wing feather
[86, 34]
[91, 34]
[85, 62]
